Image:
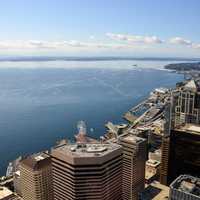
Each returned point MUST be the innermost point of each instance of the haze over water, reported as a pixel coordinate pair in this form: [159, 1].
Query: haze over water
[41, 102]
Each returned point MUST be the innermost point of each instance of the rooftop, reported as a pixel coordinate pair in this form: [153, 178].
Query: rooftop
[151, 169]
[132, 139]
[152, 163]
[155, 191]
[36, 161]
[87, 150]
[191, 128]
[191, 85]
[187, 184]
[86, 153]
[161, 90]
[5, 192]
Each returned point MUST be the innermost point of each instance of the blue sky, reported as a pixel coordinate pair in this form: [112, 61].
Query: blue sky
[100, 27]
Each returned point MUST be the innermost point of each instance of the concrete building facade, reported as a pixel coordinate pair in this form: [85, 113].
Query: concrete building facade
[36, 177]
[134, 158]
[87, 171]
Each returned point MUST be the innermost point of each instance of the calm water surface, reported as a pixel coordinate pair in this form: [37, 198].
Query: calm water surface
[41, 102]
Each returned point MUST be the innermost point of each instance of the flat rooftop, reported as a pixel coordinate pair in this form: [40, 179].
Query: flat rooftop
[191, 128]
[155, 191]
[5, 192]
[130, 138]
[187, 184]
[86, 153]
[152, 163]
[87, 150]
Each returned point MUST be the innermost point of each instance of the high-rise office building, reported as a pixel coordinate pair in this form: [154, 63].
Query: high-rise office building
[185, 104]
[87, 171]
[185, 187]
[36, 178]
[180, 146]
[165, 148]
[185, 151]
[134, 158]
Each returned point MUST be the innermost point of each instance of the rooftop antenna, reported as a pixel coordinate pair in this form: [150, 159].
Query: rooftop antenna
[81, 137]
[81, 126]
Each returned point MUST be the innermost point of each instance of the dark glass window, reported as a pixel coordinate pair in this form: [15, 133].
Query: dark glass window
[197, 101]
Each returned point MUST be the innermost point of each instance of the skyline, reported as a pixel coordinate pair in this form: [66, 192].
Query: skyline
[100, 28]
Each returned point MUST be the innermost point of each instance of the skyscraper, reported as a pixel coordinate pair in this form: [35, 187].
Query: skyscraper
[164, 172]
[182, 153]
[180, 146]
[185, 104]
[134, 158]
[35, 177]
[87, 171]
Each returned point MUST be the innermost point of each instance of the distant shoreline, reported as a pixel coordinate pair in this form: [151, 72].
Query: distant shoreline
[57, 58]
[183, 67]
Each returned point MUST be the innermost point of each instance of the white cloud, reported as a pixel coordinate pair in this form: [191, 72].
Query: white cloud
[196, 46]
[131, 44]
[74, 43]
[57, 45]
[185, 42]
[180, 40]
[135, 38]
[40, 44]
[29, 44]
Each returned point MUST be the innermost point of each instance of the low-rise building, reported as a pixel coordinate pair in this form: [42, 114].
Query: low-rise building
[155, 191]
[152, 170]
[6, 194]
[185, 187]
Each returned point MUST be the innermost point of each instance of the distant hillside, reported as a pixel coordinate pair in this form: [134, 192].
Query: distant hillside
[184, 66]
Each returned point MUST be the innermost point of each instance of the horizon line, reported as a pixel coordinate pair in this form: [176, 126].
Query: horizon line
[90, 58]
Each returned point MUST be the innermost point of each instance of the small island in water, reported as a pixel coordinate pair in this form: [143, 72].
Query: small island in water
[181, 67]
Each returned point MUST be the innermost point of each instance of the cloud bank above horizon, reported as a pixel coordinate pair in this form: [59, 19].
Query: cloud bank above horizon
[111, 42]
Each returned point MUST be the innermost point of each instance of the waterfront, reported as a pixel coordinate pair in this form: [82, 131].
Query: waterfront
[39, 106]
